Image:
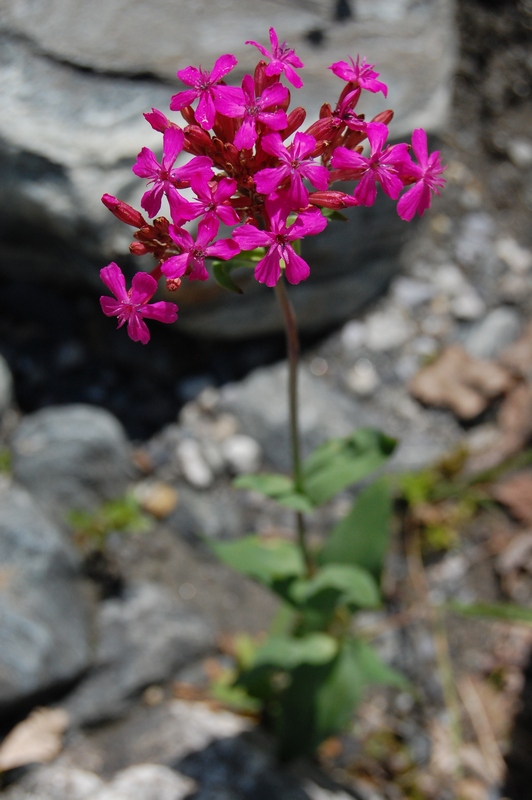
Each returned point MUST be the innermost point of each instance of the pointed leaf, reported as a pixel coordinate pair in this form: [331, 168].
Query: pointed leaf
[220, 271]
[348, 584]
[362, 536]
[287, 653]
[341, 462]
[374, 670]
[507, 611]
[266, 560]
[279, 487]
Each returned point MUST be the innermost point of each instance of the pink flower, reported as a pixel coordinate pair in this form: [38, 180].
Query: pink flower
[253, 109]
[147, 166]
[191, 260]
[282, 59]
[426, 178]
[294, 166]
[204, 85]
[360, 74]
[383, 165]
[131, 306]
[212, 200]
[277, 239]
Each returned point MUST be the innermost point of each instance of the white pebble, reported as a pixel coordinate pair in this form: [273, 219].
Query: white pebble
[193, 464]
[242, 453]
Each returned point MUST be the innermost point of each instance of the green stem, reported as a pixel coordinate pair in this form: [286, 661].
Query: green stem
[292, 347]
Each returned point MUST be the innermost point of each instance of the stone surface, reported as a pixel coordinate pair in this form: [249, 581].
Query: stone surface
[6, 386]
[260, 403]
[146, 782]
[71, 125]
[71, 457]
[494, 333]
[142, 638]
[44, 631]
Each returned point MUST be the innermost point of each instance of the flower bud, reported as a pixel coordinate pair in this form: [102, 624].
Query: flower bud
[331, 199]
[188, 115]
[157, 120]
[296, 118]
[138, 249]
[123, 211]
[384, 116]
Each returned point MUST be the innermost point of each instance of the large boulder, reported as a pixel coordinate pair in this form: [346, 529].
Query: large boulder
[44, 631]
[71, 457]
[76, 77]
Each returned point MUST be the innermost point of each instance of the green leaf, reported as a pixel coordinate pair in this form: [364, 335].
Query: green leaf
[341, 462]
[349, 585]
[507, 611]
[374, 670]
[362, 536]
[279, 487]
[287, 652]
[220, 271]
[269, 483]
[340, 693]
[334, 214]
[266, 560]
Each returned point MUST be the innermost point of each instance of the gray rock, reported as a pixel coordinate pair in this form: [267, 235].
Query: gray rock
[142, 639]
[44, 632]
[146, 782]
[475, 241]
[495, 332]
[71, 457]
[215, 514]
[56, 782]
[260, 402]
[6, 386]
[69, 134]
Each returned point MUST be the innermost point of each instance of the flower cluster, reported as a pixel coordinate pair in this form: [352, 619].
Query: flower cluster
[254, 170]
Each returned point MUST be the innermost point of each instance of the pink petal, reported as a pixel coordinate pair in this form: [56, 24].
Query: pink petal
[249, 237]
[273, 95]
[308, 223]
[143, 287]
[182, 99]
[205, 112]
[316, 174]
[260, 47]
[419, 146]
[111, 307]
[224, 249]
[162, 311]
[222, 66]
[366, 191]
[377, 135]
[137, 329]
[267, 180]
[268, 270]
[207, 230]
[296, 269]
[273, 144]
[173, 141]
[146, 165]
[391, 184]
[227, 214]
[175, 266]
[190, 75]
[297, 194]
[276, 120]
[229, 100]
[343, 158]
[291, 75]
[157, 120]
[152, 199]
[246, 135]
[113, 277]
[303, 145]
[181, 237]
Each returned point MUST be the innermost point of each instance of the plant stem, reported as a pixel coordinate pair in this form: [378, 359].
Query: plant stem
[292, 348]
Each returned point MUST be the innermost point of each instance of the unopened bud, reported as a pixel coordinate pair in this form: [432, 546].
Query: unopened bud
[123, 211]
[173, 284]
[384, 116]
[197, 141]
[188, 115]
[157, 120]
[138, 249]
[296, 118]
[331, 199]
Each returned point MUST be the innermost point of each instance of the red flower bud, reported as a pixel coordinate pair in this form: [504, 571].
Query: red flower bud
[296, 118]
[384, 116]
[331, 199]
[123, 211]
[138, 249]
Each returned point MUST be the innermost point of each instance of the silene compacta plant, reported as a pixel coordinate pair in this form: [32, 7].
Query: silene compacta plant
[256, 168]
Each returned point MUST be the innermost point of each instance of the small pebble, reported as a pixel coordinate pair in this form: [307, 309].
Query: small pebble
[353, 336]
[517, 258]
[468, 306]
[387, 330]
[363, 378]
[242, 453]
[193, 464]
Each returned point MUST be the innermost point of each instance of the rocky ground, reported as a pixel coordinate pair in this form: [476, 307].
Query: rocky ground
[120, 632]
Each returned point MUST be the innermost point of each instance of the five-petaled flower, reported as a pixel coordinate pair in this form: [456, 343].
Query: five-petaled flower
[205, 85]
[277, 238]
[282, 59]
[359, 74]
[252, 110]
[294, 166]
[191, 260]
[131, 306]
[426, 178]
[383, 165]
